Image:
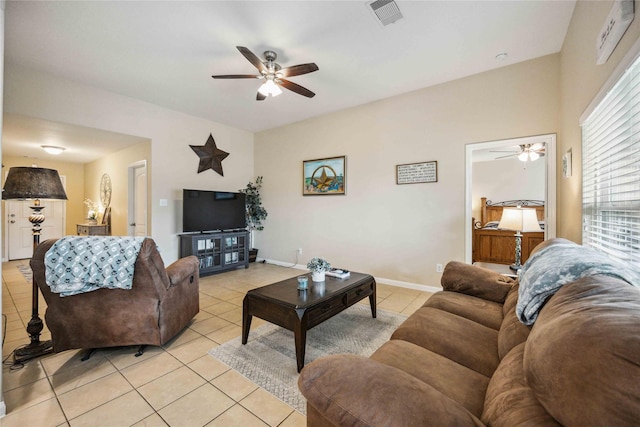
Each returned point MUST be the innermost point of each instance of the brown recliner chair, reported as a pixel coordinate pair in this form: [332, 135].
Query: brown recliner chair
[160, 304]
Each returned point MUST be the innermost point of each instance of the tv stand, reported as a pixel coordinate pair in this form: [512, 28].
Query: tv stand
[217, 251]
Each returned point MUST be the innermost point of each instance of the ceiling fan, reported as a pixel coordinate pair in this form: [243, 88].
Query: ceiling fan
[273, 75]
[527, 152]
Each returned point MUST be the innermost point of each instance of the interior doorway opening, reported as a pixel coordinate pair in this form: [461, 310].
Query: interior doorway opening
[475, 150]
[137, 200]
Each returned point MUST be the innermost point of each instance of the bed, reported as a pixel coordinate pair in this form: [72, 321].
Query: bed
[491, 244]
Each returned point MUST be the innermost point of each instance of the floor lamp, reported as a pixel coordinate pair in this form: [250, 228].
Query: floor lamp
[520, 220]
[33, 183]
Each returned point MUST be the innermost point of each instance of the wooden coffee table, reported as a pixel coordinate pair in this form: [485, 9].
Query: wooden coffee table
[298, 311]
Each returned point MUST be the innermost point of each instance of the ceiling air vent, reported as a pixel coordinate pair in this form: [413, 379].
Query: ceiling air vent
[386, 11]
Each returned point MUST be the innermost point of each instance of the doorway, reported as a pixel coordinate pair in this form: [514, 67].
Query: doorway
[474, 149]
[19, 229]
[19, 239]
[137, 212]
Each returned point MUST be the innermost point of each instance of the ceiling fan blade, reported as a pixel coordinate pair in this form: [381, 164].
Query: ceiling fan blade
[296, 88]
[236, 76]
[251, 57]
[260, 97]
[504, 157]
[298, 70]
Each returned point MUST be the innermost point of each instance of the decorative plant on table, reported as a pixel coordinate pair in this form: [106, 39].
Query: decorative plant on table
[318, 266]
[92, 213]
[256, 213]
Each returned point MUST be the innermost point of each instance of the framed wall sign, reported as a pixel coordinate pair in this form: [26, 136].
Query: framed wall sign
[323, 177]
[417, 173]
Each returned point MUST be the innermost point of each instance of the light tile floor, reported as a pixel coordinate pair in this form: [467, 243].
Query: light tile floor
[178, 384]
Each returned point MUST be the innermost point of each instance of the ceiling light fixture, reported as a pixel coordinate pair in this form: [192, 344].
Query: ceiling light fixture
[269, 87]
[52, 149]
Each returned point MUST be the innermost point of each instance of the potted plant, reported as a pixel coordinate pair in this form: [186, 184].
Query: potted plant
[318, 266]
[92, 213]
[256, 213]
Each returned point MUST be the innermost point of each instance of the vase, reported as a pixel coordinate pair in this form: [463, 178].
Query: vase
[317, 276]
[92, 221]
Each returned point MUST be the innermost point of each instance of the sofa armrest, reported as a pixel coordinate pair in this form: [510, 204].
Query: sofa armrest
[182, 270]
[476, 281]
[350, 390]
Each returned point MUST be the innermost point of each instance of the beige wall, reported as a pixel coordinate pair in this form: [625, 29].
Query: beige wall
[74, 173]
[116, 165]
[507, 179]
[398, 232]
[173, 163]
[581, 80]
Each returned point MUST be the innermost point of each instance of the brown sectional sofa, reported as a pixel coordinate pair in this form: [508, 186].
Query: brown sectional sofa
[465, 358]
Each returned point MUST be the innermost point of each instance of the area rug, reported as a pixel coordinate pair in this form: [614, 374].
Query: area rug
[26, 272]
[269, 358]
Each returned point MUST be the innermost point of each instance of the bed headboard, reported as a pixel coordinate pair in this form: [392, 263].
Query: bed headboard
[492, 211]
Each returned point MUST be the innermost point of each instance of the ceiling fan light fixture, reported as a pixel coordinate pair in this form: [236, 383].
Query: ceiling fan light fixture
[269, 88]
[52, 149]
[523, 156]
[534, 156]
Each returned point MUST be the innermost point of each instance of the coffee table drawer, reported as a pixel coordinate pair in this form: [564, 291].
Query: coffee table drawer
[359, 293]
[325, 311]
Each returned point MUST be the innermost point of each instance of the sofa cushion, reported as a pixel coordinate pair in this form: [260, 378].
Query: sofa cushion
[452, 336]
[509, 401]
[511, 300]
[476, 281]
[487, 313]
[582, 358]
[512, 331]
[458, 382]
[351, 390]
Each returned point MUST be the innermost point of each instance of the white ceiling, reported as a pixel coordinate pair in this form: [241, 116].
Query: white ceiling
[165, 52]
[24, 137]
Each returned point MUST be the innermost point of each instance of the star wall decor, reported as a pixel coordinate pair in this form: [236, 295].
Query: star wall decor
[211, 157]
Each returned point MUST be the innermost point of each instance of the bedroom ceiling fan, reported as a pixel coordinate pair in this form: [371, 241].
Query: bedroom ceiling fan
[527, 152]
[273, 75]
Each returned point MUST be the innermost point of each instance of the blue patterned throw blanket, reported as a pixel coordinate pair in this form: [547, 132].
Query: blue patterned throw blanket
[76, 264]
[556, 265]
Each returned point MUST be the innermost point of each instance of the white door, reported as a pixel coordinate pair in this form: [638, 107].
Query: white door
[19, 229]
[138, 199]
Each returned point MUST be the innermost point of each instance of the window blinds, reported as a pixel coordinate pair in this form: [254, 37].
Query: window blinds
[611, 171]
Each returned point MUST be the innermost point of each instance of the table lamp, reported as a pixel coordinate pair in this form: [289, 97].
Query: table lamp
[33, 183]
[520, 220]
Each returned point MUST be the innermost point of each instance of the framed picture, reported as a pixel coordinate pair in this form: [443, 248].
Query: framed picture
[417, 173]
[324, 177]
[566, 164]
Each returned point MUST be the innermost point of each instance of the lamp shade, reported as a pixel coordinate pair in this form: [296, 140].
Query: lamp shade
[33, 183]
[519, 219]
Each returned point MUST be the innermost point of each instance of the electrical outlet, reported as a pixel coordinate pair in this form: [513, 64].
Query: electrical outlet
[299, 251]
[438, 268]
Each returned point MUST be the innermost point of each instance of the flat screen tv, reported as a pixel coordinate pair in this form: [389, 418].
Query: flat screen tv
[212, 210]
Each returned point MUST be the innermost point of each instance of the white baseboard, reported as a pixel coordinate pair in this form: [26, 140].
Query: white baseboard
[398, 283]
[408, 285]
